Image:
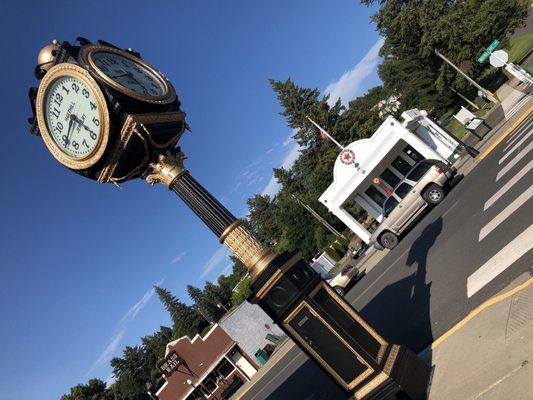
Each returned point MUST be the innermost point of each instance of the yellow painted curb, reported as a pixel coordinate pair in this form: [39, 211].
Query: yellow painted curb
[477, 310]
[505, 134]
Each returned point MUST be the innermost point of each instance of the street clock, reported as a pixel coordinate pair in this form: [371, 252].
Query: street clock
[102, 111]
[109, 116]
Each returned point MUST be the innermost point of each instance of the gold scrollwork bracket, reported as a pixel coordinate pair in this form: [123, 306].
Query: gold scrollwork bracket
[167, 168]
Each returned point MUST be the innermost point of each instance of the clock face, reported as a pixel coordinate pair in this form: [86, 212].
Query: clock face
[72, 116]
[129, 73]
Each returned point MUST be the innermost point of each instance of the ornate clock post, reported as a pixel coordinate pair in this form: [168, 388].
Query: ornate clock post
[146, 124]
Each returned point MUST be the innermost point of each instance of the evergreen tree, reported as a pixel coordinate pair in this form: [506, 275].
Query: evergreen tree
[299, 103]
[171, 303]
[195, 294]
[95, 389]
[413, 29]
[186, 320]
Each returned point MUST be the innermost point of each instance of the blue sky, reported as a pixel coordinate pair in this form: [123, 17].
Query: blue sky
[79, 258]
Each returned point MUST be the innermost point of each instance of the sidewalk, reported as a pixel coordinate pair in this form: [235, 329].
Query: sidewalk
[489, 355]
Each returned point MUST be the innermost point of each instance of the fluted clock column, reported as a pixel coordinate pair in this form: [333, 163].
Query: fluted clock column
[312, 314]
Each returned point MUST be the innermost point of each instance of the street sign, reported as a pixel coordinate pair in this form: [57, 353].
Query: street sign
[489, 50]
[499, 58]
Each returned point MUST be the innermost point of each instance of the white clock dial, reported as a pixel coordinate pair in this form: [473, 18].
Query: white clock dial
[72, 116]
[128, 73]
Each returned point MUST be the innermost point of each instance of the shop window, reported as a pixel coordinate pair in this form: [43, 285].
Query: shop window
[390, 177]
[413, 154]
[376, 195]
[195, 395]
[209, 383]
[224, 368]
[401, 165]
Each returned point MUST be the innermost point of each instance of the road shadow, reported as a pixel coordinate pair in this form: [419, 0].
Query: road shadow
[400, 312]
[308, 383]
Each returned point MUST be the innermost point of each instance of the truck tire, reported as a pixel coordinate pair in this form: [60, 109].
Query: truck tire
[388, 240]
[434, 194]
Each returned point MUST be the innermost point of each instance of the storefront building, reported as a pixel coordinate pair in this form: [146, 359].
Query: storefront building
[209, 367]
[367, 170]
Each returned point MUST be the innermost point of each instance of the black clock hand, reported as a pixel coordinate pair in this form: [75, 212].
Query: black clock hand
[120, 76]
[70, 126]
[79, 121]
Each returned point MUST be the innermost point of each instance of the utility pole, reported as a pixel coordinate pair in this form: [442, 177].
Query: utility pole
[318, 217]
[465, 99]
[487, 93]
[199, 309]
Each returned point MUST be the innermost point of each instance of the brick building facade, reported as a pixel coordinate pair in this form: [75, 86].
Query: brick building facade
[209, 367]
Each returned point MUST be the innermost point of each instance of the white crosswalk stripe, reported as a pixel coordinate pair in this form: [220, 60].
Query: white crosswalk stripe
[516, 107]
[507, 211]
[525, 130]
[514, 161]
[522, 243]
[523, 172]
[500, 261]
[512, 150]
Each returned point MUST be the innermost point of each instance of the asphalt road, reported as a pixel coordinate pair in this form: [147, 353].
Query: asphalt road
[463, 252]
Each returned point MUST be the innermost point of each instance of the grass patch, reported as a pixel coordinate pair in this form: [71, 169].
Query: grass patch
[456, 128]
[520, 46]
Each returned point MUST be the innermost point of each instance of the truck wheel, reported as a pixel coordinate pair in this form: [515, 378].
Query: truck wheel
[388, 240]
[434, 194]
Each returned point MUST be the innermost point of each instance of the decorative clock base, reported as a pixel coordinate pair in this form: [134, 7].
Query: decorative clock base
[331, 333]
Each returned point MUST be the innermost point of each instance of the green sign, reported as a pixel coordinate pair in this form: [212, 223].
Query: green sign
[489, 50]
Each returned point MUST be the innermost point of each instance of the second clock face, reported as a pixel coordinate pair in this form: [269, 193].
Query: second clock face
[129, 74]
[72, 116]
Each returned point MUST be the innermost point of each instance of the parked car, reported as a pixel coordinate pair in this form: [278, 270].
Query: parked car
[342, 278]
[423, 186]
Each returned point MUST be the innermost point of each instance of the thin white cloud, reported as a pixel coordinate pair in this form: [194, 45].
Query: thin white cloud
[134, 310]
[349, 84]
[291, 156]
[216, 259]
[108, 352]
[130, 315]
[227, 270]
[178, 258]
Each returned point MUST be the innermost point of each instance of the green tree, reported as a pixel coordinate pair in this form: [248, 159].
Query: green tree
[186, 320]
[413, 29]
[95, 389]
[195, 294]
[242, 291]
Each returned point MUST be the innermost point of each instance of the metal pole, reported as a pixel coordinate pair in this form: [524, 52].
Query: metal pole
[322, 130]
[488, 93]
[316, 215]
[465, 99]
[199, 309]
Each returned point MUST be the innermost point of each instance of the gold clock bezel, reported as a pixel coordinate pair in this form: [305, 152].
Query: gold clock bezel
[56, 72]
[86, 57]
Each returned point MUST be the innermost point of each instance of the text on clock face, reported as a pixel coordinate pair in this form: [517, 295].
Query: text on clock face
[72, 116]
